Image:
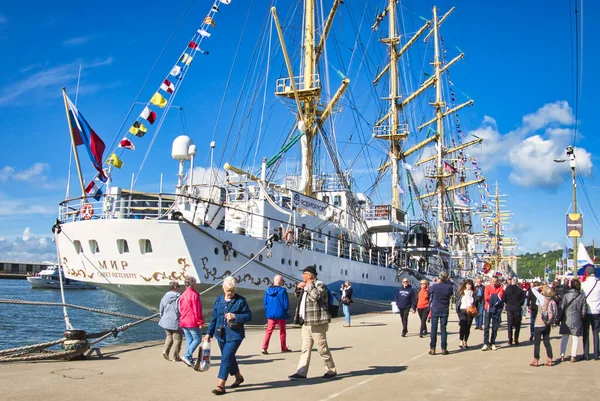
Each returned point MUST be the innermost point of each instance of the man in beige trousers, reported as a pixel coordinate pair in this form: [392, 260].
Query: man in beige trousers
[312, 313]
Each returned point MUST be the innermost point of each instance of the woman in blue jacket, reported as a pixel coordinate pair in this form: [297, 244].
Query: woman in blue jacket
[276, 307]
[229, 314]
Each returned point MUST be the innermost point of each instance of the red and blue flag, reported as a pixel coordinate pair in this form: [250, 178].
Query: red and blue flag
[83, 134]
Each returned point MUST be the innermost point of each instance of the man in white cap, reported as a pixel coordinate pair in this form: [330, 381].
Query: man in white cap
[591, 290]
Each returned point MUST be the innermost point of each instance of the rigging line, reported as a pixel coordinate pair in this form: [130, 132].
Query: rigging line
[243, 88]
[228, 83]
[162, 52]
[262, 114]
[586, 195]
[577, 73]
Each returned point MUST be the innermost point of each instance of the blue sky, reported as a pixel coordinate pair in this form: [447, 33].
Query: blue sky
[518, 69]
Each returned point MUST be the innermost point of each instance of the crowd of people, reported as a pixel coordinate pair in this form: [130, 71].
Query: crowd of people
[573, 306]
[570, 305]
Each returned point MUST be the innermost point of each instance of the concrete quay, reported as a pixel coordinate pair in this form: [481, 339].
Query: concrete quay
[373, 362]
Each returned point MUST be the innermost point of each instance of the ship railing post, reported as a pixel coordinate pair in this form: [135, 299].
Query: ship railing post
[378, 258]
[312, 241]
[350, 252]
[370, 256]
[339, 247]
[268, 228]
[326, 245]
[386, 260]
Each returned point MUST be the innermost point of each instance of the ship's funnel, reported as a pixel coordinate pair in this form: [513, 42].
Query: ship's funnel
[181, 147]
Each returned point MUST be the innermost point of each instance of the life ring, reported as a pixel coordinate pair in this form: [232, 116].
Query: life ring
[288, 237]
[87, 211]
[380, 211]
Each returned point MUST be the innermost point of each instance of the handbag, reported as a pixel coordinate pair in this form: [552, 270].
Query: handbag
[472, 310]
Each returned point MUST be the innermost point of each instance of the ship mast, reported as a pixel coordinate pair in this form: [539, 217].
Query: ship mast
[305, 89]
[440, 127]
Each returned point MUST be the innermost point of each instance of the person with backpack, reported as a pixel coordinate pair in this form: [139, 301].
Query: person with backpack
[532, 307]
[572, 311]
[492, 314]
[346, 294]
[547, 316]
[313, 314]
[479, 303]
[169, 320]
[591, 290]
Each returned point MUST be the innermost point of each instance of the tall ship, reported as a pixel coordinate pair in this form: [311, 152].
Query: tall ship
[294, 196]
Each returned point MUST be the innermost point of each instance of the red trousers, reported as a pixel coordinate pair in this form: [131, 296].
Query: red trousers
[271, 323]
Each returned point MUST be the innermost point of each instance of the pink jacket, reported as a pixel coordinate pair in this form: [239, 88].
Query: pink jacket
[190, 309]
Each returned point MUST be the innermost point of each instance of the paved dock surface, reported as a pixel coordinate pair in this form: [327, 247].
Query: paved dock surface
[373, 362]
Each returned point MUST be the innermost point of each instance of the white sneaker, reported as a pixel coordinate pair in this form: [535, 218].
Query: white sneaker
[485, 348]
[187, 361]
[494, 348]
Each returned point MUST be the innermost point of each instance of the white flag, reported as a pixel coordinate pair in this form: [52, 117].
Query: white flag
[203, 33]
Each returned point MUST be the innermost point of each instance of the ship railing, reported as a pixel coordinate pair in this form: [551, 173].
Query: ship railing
[284, 85]
[157, 206]
[106, 206]
[377, 212]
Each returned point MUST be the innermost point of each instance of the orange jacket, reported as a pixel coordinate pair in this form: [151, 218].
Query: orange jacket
[423, 299]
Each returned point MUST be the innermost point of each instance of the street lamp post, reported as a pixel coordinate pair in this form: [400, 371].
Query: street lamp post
[571, 155]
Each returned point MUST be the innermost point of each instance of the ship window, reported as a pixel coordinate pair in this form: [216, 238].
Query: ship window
[320, 268]
[325, 198]
[216, 251]
[260, 258]
[320, 232]
[367, 275]
[346, 272]
[283, 261]
[296, 263]
[94, 246]
[337, 200]
[123, 246]
[235, 254]
[78, 247]
[145, 246]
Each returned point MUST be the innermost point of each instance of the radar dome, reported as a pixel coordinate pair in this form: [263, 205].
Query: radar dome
[180, 148]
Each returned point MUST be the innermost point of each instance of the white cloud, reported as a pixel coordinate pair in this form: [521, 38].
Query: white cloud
[557, 112]
[549, 246]
[29, 247]
[517, 228]
[36, 174]
[78, 41]
[207, 176]
[529, 151]
[17, 208]
[48, 79]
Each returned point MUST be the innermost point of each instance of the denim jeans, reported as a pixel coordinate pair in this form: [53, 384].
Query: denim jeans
[479, 317]
[442, 317]
[493, 319]
[346, 309]
[229, 365]
[193, 337]
[532, 318]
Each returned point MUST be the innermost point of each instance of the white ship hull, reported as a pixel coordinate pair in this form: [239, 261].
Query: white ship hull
[180, 250]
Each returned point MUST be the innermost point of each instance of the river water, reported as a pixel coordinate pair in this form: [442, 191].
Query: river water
[26, 324]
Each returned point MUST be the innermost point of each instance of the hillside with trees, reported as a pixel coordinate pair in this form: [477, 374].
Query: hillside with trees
[533, 264]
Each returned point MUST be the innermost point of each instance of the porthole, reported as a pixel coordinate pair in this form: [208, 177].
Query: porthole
[283, 261]
[251, 255]
[320, 268]
[290, 262]
[235, 254]
[145, 246]
[260, 258]
[122, 246]
[367, 275]
[94, 246]
[363, 275]
[78, 247]
[216, 251]
[341, 271]
[346, 272]
[296, 263]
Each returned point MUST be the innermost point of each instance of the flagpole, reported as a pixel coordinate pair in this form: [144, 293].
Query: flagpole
[83, 194]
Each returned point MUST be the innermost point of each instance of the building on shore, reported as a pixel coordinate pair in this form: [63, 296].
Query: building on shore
[24, 268]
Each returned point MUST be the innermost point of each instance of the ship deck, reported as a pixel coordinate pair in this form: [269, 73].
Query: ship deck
[373, 362]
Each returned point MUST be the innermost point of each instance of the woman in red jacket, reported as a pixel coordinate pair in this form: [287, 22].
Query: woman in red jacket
[423, 306]
[190, 319]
